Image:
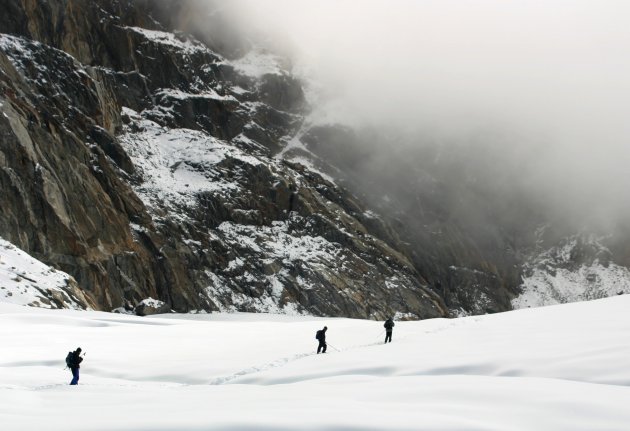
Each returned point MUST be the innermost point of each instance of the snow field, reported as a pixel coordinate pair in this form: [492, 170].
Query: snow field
[554, 368]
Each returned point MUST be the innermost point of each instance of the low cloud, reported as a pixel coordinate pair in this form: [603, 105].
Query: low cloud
[543, 87]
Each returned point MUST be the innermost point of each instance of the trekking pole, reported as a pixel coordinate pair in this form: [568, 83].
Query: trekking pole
[380, 335]
[328, 344]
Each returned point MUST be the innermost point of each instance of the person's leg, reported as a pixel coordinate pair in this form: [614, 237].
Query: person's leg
[324, 350]
[75, 376]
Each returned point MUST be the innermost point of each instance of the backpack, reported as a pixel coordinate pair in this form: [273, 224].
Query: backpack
[70, 360]
[318, 334]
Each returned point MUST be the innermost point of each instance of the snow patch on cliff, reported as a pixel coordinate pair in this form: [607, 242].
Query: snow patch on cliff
[257, 63]
[276, 241]
[25, 280]
[553, 277]
[17, 48]
[269, 301]
[182, 95]
[187, 45]
[178, 164]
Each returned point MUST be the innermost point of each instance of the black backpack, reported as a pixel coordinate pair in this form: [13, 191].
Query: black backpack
[70, 360]
[318, 334]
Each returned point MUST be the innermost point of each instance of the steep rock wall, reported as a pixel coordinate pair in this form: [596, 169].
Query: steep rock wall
[144, 164]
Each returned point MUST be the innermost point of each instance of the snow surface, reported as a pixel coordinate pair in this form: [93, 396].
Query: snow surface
[25, 280]
[554, 368]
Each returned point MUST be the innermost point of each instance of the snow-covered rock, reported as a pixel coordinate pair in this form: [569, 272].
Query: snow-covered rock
[150, 306]
[25, 280]
[578, 269]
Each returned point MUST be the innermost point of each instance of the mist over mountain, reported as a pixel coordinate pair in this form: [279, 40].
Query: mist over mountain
[539, 86]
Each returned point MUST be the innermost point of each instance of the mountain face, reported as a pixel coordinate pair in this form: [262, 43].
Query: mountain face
[149, 159]
[580, 268]
[147, 165]
[483, 243]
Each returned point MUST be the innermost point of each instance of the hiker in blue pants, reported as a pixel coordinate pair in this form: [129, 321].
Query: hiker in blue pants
[72, 361]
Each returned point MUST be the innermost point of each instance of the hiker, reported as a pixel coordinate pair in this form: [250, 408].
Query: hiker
[72, 361]
[389, 327]
[321, 337]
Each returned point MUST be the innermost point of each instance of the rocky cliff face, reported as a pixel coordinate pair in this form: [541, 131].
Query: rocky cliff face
[147, 165]
[579, 268]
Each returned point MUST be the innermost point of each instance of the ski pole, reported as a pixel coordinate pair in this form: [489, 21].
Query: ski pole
[379, 335]
[328, 344]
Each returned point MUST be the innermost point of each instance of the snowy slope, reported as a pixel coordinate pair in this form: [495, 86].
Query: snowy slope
[553, 368]
[25, 280]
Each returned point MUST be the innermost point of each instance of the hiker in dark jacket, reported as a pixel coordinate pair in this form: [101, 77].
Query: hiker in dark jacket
[389, 327]
[321, 337]
[73, 363]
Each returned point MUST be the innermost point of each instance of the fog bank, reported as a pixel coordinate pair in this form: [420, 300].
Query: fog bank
[542, 86]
